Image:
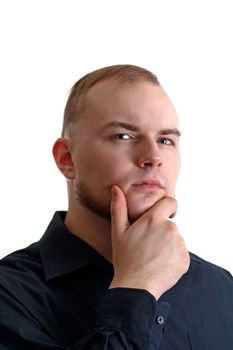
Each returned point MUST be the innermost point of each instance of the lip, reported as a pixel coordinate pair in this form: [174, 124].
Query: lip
[148, 185]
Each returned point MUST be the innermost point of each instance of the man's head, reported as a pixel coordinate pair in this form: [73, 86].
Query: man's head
[119, 128]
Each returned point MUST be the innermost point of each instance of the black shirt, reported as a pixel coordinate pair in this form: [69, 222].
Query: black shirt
[54, 295]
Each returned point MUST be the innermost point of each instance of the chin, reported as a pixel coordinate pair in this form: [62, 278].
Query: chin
[137, 207]
[136, 213]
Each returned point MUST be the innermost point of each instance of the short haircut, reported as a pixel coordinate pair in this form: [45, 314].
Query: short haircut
[122, 73]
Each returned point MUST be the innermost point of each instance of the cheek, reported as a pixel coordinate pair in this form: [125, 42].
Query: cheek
[172, 171]
[97, 165]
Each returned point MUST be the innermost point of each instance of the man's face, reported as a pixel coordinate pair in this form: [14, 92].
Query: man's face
[127, 136]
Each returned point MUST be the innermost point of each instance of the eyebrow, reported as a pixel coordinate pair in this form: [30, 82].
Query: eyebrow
[173, 131]
[131, 127]
[115, 124]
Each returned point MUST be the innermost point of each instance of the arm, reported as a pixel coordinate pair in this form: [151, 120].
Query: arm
[149, 257]
[127, 321]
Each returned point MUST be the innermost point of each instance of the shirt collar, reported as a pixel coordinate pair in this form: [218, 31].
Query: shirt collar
[62, 252]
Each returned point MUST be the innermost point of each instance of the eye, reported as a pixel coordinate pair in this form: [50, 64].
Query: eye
[165, 141]
[122, 136]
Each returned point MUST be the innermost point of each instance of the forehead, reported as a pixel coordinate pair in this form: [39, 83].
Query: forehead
[142, 103]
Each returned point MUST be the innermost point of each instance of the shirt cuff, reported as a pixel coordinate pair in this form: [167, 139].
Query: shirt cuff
[129, 310]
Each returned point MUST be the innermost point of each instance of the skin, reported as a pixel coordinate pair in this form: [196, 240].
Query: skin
[122, 160]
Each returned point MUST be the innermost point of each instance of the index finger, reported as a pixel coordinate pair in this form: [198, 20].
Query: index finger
[164, 209]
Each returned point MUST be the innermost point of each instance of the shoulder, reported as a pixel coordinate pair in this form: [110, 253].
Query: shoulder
[207, 265]
[204, 270]
[19, 266]
[30, 253]
[22, 284]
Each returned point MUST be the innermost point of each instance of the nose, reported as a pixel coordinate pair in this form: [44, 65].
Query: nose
[149, 154]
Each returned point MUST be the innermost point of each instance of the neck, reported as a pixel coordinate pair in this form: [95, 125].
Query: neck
[91, 228]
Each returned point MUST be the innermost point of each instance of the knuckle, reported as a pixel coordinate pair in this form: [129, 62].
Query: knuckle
[186, 261]
[152, 219]
[171, 227]
[172, 202]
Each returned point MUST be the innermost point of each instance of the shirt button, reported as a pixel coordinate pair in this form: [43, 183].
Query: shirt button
[160, 320]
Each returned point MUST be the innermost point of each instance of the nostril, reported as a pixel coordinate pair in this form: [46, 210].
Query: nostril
[156, 162]
[148, 163]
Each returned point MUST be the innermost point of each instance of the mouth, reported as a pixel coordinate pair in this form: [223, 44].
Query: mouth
[148, 186]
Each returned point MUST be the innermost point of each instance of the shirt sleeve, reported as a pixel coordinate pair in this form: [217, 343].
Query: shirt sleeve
[127, 320]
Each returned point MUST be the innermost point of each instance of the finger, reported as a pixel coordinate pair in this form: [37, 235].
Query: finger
[119, 212]
[172, 194]
[165, 208]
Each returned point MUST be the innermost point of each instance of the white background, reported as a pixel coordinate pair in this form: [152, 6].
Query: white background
[47, 45]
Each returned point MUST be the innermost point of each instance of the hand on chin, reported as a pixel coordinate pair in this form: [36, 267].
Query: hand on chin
[138, 206]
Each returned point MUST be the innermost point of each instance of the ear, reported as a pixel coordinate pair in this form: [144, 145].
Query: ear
[63, 158]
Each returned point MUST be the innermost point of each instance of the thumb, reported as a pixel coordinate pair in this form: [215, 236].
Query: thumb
[119, 212]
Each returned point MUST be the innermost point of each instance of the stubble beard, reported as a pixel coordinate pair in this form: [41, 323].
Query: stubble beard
[100, 207]
[97, 205]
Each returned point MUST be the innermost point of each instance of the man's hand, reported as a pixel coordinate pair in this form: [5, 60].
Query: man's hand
[149, 254]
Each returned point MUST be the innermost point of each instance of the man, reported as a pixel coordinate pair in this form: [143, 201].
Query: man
[113, 272]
